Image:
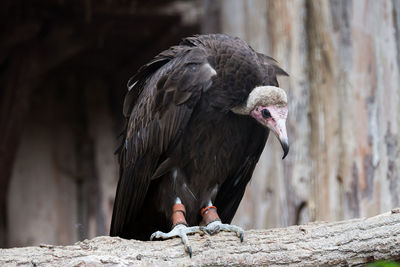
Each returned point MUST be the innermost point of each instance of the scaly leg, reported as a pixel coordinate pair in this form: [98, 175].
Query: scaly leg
[214, 225]
[179, 227]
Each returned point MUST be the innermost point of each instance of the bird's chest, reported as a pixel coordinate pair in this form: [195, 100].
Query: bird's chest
[212, 151]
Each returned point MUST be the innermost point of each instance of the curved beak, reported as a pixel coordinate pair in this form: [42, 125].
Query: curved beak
[279, 129]
[285, 147]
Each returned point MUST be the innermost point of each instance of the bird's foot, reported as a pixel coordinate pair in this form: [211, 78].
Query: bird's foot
[180, 230]
[216, 226]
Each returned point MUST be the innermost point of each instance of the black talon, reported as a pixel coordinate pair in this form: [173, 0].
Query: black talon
[241, 237]
[189, 250]
[181, 231]
[152, 237]
[215, 230]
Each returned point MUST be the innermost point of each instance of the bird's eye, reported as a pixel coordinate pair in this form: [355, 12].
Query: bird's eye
[266, 114]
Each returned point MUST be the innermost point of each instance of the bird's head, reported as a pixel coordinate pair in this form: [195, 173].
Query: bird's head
[268, 105]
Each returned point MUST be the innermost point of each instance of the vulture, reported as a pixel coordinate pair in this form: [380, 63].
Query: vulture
[198, 116]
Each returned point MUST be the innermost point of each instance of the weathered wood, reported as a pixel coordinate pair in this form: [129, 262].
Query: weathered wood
[42, 201]
[102, 136]
[344, 105]
[289, 46]
[344, 243]
[64, 173]
[354, 107]
[14, 103]
[21, 77]
[343, 58]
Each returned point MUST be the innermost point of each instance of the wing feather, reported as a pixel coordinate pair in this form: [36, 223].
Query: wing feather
[231, 192]
[159, 104]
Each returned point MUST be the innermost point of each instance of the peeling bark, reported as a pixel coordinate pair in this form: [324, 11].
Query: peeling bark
[342, 243]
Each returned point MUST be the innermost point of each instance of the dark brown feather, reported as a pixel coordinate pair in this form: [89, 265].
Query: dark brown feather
[182, 140]
[153, 125]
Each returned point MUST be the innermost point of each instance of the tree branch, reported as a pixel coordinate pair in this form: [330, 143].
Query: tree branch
[349, 242]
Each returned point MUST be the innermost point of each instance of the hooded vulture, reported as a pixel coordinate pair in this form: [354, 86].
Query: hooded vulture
[198, 116]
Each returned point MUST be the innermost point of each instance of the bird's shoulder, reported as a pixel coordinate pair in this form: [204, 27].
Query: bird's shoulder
[162, 96]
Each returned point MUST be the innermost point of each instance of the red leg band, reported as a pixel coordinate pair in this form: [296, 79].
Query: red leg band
[204, 210]
[178, 214]
[209, 214]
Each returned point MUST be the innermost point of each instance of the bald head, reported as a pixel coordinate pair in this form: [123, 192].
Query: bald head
[268, 105]
[262, 96]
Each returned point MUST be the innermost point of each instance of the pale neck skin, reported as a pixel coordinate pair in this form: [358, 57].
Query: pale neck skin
[276, 122]
[268, 106]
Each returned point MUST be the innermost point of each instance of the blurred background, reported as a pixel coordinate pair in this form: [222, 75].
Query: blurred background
[64, 66]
